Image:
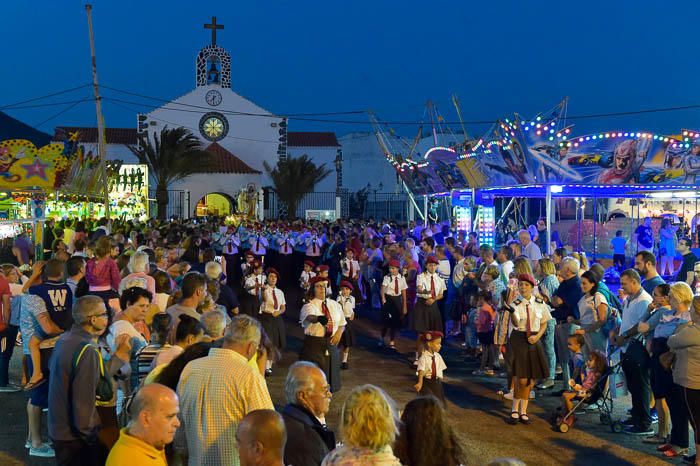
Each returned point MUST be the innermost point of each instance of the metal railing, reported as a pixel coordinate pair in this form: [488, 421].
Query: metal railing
[390, 206]
[178, 203]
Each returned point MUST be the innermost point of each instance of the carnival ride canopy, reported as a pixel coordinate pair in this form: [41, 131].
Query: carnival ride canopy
[542, 151]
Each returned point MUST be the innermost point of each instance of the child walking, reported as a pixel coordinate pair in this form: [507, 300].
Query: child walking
[270, 316]
[393, 297]
[347, 302]
[431, 367]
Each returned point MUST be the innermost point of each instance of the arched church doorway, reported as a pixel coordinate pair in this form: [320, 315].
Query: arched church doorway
[218, 204]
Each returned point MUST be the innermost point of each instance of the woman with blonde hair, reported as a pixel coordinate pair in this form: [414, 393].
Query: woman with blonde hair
[368, 426]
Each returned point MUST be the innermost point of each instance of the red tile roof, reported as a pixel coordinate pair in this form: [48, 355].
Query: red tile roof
[114, 135]
[224, 161]
[311, 139]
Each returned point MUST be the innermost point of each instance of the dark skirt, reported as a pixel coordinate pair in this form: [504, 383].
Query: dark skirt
[434, 388]
[347, 340]
[319, 351]
[426, 318]
[392, 312]
[274, 327]
[250, 304]
[526, 361]
[661, 379]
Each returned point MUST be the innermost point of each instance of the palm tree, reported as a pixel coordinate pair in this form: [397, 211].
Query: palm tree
[294, 178]
[172, 157]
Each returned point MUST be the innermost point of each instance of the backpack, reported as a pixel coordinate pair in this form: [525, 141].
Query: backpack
[104, 391]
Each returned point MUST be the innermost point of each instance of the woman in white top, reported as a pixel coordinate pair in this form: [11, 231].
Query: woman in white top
[271, 309]
[135, 302]
[138, 266]
[593, 313]
[323, 322]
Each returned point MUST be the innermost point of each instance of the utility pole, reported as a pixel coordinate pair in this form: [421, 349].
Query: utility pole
[101, 143]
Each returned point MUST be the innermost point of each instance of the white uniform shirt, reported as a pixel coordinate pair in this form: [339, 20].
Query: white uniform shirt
[313, 308]
[305, 278]
[633, 310]
[425, 364]
[258, 244]
[423, 285]
[252, 280]
[348, 305]
[313, 246]
[268, 304]
[389, 284]
[286, 245]
[345, 266]
[230, 244]
[539, 313]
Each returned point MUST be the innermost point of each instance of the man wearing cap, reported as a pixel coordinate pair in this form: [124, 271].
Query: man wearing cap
[271, 310]
[258, 244]
[323, 322]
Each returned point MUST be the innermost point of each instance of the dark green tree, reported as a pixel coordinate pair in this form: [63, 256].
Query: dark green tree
[294, 178]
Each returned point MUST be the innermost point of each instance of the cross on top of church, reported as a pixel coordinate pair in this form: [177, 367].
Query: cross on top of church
[213, 26]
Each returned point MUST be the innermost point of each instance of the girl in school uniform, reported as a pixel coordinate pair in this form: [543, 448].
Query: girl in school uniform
[350, 270]
[430, 289]
[526, 358]
[270, 316]
[347, 302]
[431, 367]
[393, 296]
[253, 283]
[323, 271]
[306, 275]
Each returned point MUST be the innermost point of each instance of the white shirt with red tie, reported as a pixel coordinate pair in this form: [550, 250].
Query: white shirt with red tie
[394, 284]
[350, 268]
[252, 280]
[536, 307]
[272, 300]
[286, 245]
[425, 364]
[315, 308]
[230, 243]
[348, 305]
[258, 244]
[426, 282]
[313, 246]
[305, 279]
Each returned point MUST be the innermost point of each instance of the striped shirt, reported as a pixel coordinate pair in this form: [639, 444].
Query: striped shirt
[215, 393]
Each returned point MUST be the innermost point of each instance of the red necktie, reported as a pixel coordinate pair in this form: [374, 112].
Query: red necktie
[396, 285]
[351, 271]
[327, 313]
[286, 245]
[433, 367]
[274, 299]
[432, 287]
[528, 329]
[230, 248]
[257, 244]
[315, 246]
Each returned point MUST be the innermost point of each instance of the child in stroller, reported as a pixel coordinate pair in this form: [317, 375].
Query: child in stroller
[596, 366]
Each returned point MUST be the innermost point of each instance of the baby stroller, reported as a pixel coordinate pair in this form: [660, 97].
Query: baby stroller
[599, 398]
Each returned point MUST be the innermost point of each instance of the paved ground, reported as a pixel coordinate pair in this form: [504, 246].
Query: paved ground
[476, 412]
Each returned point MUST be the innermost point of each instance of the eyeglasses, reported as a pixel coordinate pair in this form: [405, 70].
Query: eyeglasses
[104, 314]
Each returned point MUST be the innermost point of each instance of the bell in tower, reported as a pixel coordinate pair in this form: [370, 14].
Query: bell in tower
[214, 73]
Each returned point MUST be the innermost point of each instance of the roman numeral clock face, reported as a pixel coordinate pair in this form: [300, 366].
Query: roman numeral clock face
[213, 126]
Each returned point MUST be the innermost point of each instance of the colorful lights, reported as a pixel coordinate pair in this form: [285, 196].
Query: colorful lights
[487, 225]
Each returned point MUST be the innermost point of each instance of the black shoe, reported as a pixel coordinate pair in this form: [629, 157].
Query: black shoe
[514, 418]
[629, 422]
[638, 430]
[344, 366]
[689, 459]
[268, 372]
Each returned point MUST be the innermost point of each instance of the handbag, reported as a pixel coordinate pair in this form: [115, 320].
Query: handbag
[667, 360]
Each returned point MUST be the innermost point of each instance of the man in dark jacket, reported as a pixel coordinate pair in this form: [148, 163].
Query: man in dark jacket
[308, 398]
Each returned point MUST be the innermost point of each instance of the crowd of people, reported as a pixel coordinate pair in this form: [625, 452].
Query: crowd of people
[151, 341]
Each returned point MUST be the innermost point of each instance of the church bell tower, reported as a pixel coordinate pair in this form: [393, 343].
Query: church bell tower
[213, 62]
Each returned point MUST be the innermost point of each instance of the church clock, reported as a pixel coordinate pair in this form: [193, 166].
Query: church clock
[213, 126]
[213, 98]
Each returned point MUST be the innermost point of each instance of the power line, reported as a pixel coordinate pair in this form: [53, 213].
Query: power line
[52, 104]
[65, 91]
[38, 125]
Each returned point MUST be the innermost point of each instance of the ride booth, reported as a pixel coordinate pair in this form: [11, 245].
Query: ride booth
[591, 185]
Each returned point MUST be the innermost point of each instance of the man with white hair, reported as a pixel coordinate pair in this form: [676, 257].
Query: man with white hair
[227, 297]
[530, 249]
[565, 303]
[214, 323]
[308, 399]
[216, 392]
[139, 267]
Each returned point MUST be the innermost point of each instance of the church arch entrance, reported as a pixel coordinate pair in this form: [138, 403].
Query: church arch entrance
[219, 204]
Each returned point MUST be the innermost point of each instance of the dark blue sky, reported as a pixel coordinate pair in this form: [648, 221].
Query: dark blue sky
[390, 56]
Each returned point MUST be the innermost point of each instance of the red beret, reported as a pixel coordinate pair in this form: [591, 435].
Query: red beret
[272, 270]
[432, 260]
[346, 284]
[322, 268]
[317, 279]
[432, 335]
[526, 277]
[394, 263]
[310, 264]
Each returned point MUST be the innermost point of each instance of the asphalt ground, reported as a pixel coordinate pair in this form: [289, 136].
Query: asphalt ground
[476, 412]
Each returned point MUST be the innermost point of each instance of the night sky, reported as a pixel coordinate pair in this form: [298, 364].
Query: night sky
[388, 56]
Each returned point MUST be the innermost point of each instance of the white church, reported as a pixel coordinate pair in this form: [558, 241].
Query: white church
[240, 134]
